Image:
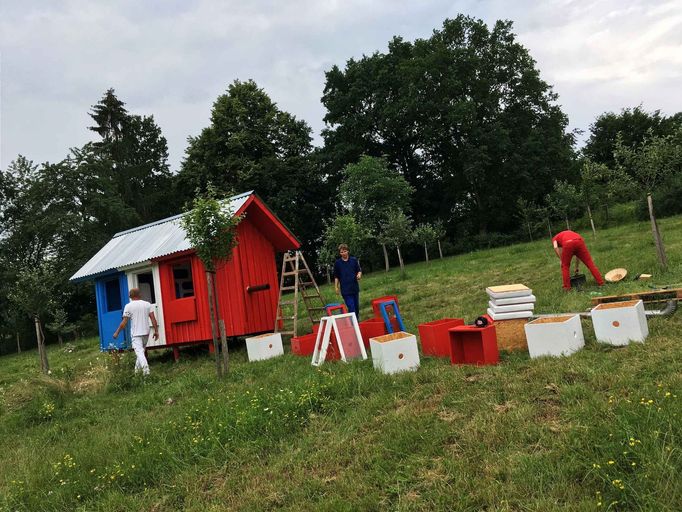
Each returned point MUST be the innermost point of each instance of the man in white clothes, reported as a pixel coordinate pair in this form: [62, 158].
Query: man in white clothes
[139, 311]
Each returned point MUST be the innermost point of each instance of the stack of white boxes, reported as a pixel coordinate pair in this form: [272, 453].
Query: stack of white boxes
[511, 301]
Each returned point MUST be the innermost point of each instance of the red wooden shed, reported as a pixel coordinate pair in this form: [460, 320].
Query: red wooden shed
[158, 259]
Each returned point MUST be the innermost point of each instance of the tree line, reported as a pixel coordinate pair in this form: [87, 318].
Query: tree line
[446, 143]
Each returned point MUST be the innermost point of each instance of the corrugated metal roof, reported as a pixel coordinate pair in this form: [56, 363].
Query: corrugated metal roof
[144, 243]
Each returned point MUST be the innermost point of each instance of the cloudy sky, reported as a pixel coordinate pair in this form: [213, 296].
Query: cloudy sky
[172, 58]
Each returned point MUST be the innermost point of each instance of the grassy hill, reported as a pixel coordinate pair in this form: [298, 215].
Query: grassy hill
[599, 430]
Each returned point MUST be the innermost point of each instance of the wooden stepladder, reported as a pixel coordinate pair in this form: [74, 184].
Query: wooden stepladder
[296, 277]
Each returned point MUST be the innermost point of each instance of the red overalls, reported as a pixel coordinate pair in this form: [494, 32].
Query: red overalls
[572, 244]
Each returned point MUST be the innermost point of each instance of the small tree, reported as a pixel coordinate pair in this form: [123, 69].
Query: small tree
[425, 234]
[439, 230]
[60, 324]
[396, 229]
[211, 228]
[527, 213]
[343, 229]
[32, 294]
[657, 159]
[370, 189]
[564, 200]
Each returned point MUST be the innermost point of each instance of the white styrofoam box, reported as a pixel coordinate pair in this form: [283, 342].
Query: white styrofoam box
[618, 323]
[525, 299]
[395, 352]
[508, 291]
[554, 336]
[511, 308]
[264, 346]
[509, 316]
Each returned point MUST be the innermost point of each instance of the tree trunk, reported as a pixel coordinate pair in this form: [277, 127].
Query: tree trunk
[530, 232]
[440, 249]
[606, 206]
[426, 253]
[568, 226]
[18, 343]
[549, 227]
[383, 246]
[329, 275]
[658, 240]
[59, 338]
[223, 343]
[589, 213]
[42, 352]
[400, 259]
[221, 330]
[211, 309]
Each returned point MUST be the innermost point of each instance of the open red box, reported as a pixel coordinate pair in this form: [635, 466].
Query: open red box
[435, 338]
[473, 345]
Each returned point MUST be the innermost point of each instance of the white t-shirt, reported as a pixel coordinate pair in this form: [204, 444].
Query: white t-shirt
[138, 312]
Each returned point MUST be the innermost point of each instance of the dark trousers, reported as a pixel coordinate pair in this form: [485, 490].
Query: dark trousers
[353, 304]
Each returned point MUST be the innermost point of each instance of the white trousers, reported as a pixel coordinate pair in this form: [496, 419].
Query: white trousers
[139, 342]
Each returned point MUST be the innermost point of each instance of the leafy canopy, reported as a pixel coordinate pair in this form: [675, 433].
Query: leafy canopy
[211, 228]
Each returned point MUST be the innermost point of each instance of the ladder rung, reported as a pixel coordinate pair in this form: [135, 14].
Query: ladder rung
[288, 288]
[286, 303]
[286, 317]
[294, 272]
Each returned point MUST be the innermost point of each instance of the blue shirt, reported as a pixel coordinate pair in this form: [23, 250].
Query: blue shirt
[345, 272]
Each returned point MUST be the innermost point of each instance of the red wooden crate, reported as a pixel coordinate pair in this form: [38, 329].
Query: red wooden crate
[435, 338]
[473, 345]
[303, 345]
[371, 328]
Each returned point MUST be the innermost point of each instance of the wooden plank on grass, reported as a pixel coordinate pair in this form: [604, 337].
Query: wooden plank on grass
[647, 296]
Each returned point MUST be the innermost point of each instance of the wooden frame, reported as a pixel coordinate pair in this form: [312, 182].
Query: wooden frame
[329, 324]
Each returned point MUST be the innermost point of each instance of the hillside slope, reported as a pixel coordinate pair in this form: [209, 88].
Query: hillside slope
[598, 430]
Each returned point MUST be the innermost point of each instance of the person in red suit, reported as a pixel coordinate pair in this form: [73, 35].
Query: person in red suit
[568, 244]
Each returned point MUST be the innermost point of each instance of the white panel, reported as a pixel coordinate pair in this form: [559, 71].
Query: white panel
[619, 323]
[393, 353]
[560, 336]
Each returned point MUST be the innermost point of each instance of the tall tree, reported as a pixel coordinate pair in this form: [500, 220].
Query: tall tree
[634, 126]
[463, 115]
[396, 229]
[425, 235]
[134, 154]
[343, 229]
[253, 145]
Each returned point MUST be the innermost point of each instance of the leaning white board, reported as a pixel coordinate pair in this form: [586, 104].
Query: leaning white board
[509, 316]
[525, 299]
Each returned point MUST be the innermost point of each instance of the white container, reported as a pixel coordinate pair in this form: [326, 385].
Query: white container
[554, 336]
[508, 291]
[509, 316]
[510, 308]
[264, 346]
[618, 323]
[514, 300]
[397, 352]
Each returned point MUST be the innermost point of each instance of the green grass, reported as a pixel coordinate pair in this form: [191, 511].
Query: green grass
[599, 430]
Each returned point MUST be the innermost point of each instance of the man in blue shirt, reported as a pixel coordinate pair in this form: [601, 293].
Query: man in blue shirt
[347, 273]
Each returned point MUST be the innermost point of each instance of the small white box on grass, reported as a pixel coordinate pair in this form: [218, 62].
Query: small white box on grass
[264, 346]
[618, 323]
[554, 336]
[396, 352]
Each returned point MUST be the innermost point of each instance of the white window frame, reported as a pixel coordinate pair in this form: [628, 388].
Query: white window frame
[327, 323]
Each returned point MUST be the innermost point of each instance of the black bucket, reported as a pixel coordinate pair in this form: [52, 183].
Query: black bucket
[578, 280]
